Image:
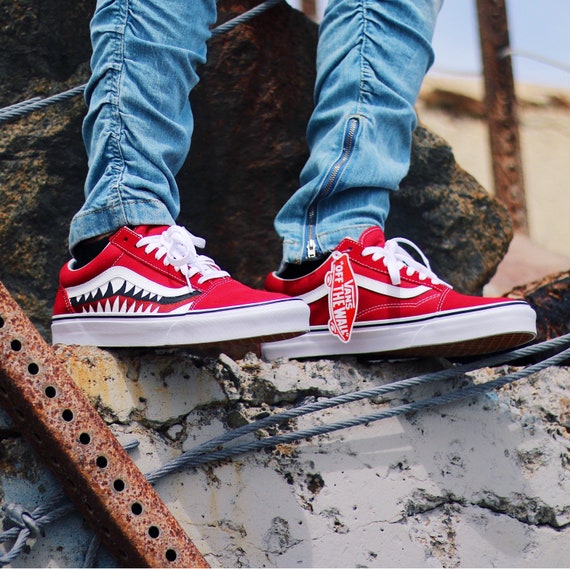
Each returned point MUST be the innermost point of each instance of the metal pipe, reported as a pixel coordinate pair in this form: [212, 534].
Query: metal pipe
[501, 106]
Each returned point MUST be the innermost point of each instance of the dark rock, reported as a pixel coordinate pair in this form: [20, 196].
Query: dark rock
[550, 298]
[462, 230]
[42, 165]
[41, 39]
[251, 110]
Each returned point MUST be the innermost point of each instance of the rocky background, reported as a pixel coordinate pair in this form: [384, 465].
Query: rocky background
[481, 482]
[249, 147]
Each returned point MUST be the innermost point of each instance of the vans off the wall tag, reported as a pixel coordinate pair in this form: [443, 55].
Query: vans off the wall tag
[343, 296]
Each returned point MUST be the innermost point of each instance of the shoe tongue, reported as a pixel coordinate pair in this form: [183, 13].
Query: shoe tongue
[146, 230]
[372, 237]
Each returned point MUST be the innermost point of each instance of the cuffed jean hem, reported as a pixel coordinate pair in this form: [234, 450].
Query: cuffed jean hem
[92, 223]
[326, 242]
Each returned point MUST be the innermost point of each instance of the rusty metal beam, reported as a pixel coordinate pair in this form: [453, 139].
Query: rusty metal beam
[92, 467]
[501, 106]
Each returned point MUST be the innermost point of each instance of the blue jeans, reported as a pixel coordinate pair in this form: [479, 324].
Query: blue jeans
[372, 58]
[139, 123]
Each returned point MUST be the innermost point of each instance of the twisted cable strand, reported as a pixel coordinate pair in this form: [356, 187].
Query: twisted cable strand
[188, 458]
[246, 16]
[202, 458]
[9, 108]
[25, 107]
[57, 506]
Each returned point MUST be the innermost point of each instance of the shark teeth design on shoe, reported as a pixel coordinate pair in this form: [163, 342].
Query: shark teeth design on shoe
[126, 295]
[150, 287]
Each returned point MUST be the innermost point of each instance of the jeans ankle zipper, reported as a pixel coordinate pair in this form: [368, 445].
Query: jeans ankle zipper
[347, 148]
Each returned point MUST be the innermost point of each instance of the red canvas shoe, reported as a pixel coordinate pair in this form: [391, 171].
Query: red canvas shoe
[372, 296]
[149, 287]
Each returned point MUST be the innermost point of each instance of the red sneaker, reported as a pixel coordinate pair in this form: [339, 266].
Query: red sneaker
[149, 287]
[371, 296]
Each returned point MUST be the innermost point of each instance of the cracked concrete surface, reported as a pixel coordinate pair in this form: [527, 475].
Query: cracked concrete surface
[481, 482]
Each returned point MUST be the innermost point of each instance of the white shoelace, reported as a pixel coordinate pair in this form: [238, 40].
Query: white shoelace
[177, 247]
[395, 258]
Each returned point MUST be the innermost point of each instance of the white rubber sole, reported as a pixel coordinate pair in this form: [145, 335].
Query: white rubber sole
[482, 330]
[265, 321]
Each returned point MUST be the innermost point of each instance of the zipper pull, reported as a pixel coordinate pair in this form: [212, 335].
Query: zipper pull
[311, 249]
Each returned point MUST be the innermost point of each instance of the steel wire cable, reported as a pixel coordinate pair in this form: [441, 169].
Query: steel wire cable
[193, 459]
[57, 507]
[188, 458]
[18, 110]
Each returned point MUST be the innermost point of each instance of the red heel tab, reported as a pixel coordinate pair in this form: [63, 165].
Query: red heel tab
[372, 237]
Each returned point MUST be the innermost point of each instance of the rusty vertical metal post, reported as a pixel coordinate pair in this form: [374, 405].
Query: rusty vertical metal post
[94, 470]
[501, 105]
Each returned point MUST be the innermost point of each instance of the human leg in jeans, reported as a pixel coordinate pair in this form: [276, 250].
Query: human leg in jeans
[137, 278]
[367, 295]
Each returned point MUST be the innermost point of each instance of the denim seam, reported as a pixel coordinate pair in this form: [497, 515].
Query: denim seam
[341, 233]
[118, 161]
[363, 46]
[112, 206]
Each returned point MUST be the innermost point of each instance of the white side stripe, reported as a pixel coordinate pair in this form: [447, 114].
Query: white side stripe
[372, 285]
[390, 290]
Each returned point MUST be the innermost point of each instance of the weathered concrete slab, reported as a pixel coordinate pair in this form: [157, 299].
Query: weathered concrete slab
[482, 482]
